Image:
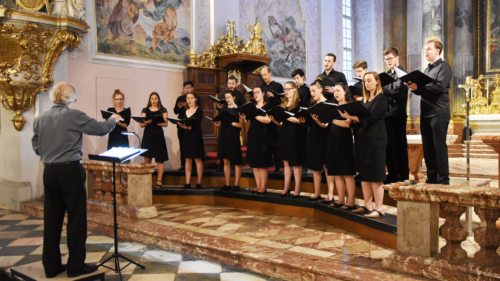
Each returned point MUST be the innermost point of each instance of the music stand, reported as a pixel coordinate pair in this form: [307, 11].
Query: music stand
[117, 155]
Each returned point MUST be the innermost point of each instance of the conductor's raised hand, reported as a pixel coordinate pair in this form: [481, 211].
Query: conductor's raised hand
[117, 117]
[217, 123]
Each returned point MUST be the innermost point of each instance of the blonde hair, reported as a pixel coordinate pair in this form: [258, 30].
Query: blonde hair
[378, 91]
[295, 98]
[63, 93]
[437, 44]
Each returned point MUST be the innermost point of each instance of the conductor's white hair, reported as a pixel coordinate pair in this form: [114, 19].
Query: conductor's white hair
[63, 93]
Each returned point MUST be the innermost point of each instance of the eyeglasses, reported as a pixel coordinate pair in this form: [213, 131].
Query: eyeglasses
[287, 89]
[119, 99]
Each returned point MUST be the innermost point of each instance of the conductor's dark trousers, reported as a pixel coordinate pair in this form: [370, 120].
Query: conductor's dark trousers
[64, 187]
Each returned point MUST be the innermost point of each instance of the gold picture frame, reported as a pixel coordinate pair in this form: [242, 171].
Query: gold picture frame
[492, 36]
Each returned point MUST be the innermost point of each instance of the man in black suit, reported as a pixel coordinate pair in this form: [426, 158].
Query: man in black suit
[332, 75]
[435, 113]
[395, 121]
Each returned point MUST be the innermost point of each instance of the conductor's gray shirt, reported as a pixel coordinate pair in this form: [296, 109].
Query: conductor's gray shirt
[57, 133]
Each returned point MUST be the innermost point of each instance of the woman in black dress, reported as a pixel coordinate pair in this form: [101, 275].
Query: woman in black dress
[371, 144]
[340, 152]
[228, 143]
[154, 139]
[316, 143]
[259, 153]
[289, 137]
[192, 142]
[115, 138]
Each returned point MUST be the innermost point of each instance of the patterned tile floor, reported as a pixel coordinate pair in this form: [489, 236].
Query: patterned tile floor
[21, 239]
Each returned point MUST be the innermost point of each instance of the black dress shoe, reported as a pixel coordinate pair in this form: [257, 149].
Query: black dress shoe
[198, 186]
[187, 186]
[87, 268]
[236, 188]
[57, 272]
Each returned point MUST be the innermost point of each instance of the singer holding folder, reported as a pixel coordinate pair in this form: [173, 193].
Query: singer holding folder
[154, 139]
[289, 150]
[435, 113]
[371, 143]
[316, 142]
[57, 139]
[259, 147]
[115, 138]
[192, 143]
[228, 143]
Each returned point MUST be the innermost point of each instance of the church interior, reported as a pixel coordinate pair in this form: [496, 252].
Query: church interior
[174, 230]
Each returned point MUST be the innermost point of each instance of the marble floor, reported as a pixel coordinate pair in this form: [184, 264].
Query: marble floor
[21, 239]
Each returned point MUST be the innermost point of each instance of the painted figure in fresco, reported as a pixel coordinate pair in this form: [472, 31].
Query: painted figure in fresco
[122, 22]
[166, 15]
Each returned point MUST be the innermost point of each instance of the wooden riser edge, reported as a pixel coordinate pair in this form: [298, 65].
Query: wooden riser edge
[382, 237]
[273, 184]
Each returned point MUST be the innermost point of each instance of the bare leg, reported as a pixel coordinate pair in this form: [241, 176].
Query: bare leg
[287, 173]
[159, 170]
[297, 175]
[188, 168]
[339, 182]
[237, 175]
[263, 176]
[256, 174]
[317, 184]
[199, 169]
[351, 190]
[378, 193]
[147, 160]
[330, 182]
[367, 194]
[227, 171]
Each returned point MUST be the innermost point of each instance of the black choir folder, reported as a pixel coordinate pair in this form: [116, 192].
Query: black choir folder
[218, 101]
[118, 154]
[279, 114]
[124, 113]
[225, 117]
[355, 108]
[186, 122]
[417, 77]
[251, 110]
[157, 119]
[385, 79]
[326, 111]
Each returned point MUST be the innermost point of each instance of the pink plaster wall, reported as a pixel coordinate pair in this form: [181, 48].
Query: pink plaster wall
[96, 82]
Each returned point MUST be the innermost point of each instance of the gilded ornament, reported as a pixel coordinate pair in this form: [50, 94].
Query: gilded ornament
[30, 45]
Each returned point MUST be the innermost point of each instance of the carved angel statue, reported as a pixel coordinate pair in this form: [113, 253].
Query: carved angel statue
[69, 8]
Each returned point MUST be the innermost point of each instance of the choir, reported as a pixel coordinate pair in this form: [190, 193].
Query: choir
[284, 132]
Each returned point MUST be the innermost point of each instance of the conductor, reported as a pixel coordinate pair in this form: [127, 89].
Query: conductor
[57, 139]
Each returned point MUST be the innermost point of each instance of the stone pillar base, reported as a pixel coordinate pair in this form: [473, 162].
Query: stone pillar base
[13, 193]
[418, 228]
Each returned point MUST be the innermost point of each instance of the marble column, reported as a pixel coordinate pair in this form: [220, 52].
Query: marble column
[463, 51]
[487, 236]
[395, 18]
[414, 51]
[369, 25]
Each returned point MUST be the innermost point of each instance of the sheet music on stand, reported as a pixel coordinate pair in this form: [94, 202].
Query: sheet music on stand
[118, 154]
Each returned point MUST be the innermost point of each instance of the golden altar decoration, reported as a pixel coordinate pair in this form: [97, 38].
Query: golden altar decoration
[30, 44]
[485, 94]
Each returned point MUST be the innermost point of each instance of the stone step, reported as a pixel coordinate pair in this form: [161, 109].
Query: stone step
[473, 155]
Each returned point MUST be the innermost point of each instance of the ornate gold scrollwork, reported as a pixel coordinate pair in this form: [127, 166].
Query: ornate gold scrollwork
[229, 44]
[30, 45]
